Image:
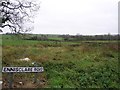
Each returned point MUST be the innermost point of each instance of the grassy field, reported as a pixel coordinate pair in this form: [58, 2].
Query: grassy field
[67, 64]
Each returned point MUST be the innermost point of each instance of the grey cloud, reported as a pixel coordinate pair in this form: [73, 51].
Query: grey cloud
[77, 16]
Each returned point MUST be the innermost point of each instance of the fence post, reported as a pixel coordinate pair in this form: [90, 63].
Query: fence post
[10, 80]
[35, 77]
[35, 74]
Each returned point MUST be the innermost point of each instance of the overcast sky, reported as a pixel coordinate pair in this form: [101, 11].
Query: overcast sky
[77, 16]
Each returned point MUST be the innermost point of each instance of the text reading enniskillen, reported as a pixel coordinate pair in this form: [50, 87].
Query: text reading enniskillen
[22, 69]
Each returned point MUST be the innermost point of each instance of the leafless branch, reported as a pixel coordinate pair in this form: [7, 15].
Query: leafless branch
[15, 13]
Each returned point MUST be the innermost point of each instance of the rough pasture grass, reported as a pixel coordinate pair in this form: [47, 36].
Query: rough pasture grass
[69, 65]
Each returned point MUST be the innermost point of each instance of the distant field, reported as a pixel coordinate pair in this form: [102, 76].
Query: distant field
[15, 40]
[80, 64]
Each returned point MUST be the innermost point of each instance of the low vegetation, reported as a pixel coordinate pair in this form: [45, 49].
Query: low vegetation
[67, 64]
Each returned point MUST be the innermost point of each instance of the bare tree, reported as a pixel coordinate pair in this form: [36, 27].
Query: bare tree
[15, 13]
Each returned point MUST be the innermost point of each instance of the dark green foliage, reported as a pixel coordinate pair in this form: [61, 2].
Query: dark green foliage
[100, 77]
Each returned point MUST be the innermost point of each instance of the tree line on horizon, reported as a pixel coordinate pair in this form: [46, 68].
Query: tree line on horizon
[67, 37]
